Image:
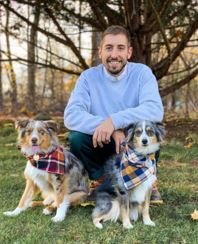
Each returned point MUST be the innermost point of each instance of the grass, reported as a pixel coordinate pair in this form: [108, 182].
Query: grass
[178, 183]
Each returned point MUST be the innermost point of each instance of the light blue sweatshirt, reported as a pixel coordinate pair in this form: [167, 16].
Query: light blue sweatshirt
[131, 97]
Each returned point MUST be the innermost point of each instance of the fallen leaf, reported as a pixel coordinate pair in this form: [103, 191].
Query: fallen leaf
[189, 142]
[194, 215]
[189, 145]
[85, 204]
[10, 144]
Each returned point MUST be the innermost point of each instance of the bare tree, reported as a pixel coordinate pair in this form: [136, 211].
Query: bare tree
[32, 43]
[11, 72]
[1, 87]
[160, 32]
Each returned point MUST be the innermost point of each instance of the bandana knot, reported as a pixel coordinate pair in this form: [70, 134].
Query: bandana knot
[53, 162]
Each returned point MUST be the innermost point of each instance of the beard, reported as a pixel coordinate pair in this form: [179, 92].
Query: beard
[115, 69]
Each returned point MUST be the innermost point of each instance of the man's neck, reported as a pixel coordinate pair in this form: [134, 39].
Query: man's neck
[118, 76]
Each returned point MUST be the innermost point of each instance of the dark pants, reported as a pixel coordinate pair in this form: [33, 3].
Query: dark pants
[92, 158]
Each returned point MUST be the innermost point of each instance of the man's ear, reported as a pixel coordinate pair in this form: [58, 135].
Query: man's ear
[99, 51]
[130, 52]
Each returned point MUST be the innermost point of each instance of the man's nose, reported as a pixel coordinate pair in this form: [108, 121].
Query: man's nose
[114, 53]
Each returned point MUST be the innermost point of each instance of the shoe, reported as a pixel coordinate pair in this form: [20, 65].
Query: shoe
[155, 196]
[91, 198]
[95, 183]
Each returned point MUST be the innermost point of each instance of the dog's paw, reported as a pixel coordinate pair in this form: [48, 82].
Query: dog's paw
[134, 215]
[12, 213]
[9, 213]
[98, 225]
[57, 218]
[127, 225]
[149, 222]
[47, 201]
[46, 211]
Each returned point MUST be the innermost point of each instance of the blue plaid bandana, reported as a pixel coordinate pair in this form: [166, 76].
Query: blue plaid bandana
[136, 168]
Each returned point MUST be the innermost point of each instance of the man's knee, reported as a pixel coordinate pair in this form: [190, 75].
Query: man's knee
[77, 140]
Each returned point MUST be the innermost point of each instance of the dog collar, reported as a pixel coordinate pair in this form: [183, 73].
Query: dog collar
[53, 162]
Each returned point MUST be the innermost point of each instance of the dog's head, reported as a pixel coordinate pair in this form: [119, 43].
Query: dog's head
[145, 137]
[36, 136]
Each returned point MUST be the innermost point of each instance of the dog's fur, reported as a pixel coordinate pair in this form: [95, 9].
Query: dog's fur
[145, 138]
[58, 191]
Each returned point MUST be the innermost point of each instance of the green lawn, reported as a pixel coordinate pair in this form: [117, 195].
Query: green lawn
[178, 183]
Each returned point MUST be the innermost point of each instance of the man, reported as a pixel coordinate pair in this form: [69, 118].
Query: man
[106, 99]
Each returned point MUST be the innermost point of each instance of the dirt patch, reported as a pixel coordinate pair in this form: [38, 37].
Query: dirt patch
[180, 129]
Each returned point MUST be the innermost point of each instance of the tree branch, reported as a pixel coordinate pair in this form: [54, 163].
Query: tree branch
[58, 39]
[50, 65]
[161, 68]
[44, 49]
[179, 84]
[69, 41]
[161, 28]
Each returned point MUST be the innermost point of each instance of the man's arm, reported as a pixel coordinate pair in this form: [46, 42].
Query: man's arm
[76, 115]
[150, 104]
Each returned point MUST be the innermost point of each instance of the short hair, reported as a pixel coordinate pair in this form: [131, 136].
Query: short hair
[115, 30]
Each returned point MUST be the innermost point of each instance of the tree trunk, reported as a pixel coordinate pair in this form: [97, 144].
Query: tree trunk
[12, 75]
[1, 86]
[95, 44]
[32, 42]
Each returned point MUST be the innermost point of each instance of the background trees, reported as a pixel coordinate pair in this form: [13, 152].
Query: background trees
[163, 34]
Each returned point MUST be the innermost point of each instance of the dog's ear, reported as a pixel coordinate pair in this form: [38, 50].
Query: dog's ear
[160, 131]
[128, 131]
[52, 125]
[19, 124]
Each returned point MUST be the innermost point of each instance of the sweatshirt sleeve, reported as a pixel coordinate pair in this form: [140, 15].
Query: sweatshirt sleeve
[150, 104]
[77, 114]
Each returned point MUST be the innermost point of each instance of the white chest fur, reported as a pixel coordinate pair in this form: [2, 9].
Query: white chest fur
[138, 194]
[39, 177]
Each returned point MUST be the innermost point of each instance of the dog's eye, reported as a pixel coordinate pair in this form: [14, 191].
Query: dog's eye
[42, 132]
[29, 131]
[150, 132]
[138, 133]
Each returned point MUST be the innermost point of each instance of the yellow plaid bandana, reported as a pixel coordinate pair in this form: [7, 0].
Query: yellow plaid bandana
[136, 168]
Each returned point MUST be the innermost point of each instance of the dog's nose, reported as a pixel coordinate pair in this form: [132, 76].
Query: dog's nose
[34, 140]
[144, 141]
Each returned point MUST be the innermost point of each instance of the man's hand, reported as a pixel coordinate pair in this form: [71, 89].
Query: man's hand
[103, 133]
[118, 136]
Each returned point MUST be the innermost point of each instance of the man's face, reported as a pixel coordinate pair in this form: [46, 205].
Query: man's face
[114, 53]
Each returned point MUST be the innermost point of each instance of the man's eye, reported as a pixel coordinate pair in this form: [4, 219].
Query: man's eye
[108, 48]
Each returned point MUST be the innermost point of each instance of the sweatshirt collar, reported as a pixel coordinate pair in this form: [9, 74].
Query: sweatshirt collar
[116, 78]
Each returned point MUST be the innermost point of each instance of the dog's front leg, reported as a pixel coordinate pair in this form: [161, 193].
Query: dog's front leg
[62, 199]
[124, 200]
[25, 200]
[145, 210]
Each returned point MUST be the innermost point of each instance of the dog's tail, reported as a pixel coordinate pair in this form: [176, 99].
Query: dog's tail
[106, 208]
